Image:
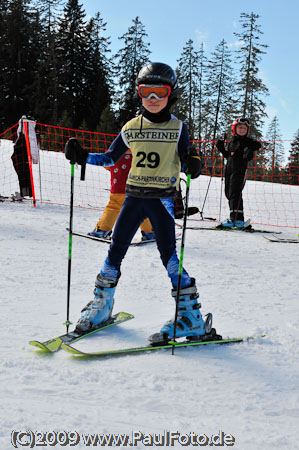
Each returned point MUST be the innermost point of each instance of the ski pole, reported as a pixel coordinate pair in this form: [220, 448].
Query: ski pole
[204, 202]
[221, 188]
[222, 173]
[181, 258]
[68, 323]
[208, 188]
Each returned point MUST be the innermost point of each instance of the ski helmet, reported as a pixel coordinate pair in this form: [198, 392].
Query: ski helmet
[159, 73]
[238, 121]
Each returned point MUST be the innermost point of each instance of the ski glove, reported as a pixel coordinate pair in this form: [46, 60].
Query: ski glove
[192, 163]
[220, 145]
[74, 152]
[248, 152]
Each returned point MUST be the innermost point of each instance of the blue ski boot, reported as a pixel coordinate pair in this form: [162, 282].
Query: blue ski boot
[147, 236]
[100, 308]
[101, 233]
[190, 322]
[239, 223]
[228, 223]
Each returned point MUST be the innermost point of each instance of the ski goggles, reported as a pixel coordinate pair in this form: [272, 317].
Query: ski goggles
[243, 121]
[158, 91]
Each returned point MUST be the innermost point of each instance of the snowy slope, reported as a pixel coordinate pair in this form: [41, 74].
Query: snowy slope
[249, 284]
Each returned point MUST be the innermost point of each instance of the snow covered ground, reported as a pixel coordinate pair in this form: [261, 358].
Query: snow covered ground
[248, 391]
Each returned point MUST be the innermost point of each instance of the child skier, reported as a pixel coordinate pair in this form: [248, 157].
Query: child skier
[159, 145]
[119, 173]
[240, 151]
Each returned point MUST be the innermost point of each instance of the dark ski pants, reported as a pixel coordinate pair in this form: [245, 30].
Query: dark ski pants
[235, 178]
[133, 212]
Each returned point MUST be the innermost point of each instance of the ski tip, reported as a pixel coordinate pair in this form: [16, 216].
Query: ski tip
[51, 346]
[40, 345]
[123, 316]
[35, 343]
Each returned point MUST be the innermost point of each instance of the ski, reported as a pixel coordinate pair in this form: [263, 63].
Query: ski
[148, 241]
[93, 238]
[246, 230]
[282, 240]
[108, 240]
[292, 240]
[4, 199]
[246, 225]
[13, 199]
[16, 197]
[53, 345]
[148, 348]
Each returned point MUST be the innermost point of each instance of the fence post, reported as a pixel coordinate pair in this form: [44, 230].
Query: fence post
[29, 161]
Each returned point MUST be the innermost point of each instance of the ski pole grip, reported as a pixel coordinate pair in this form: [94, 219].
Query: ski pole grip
[83, 167]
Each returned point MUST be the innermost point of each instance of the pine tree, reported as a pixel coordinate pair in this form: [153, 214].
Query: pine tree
[274, 157]
[202, 61]
[72, 58]
[65, 120]
[3, 59]
[130, 59]
[250, 87]
[293, 165]
[206, 105]
[107, 123]
[47, 81]
[20, 50]
[99, 70]
[188, 75]
[220, 79]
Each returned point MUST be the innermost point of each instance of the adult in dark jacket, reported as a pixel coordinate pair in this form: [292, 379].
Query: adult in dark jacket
[239, 152]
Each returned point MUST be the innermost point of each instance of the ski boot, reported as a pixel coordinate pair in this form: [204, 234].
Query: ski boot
[147, 236]
[239, 223]
[100, 308]
[190, 323]
[228, 223]
[17, 197]
[101, 233]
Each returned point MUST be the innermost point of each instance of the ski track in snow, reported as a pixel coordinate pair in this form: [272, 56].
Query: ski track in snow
[248, 390]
